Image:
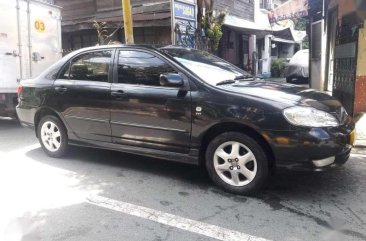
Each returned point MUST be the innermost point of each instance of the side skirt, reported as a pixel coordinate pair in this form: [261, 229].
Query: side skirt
[166, 155]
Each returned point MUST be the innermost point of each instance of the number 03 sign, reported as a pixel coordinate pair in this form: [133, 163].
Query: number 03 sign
[39, 25]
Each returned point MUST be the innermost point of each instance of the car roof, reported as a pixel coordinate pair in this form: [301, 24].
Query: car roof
[118, 46]
[138, 46]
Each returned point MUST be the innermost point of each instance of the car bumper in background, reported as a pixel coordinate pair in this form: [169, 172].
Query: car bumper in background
[8, 101]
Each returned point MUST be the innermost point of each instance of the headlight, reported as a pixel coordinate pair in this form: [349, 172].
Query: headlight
[308, 116]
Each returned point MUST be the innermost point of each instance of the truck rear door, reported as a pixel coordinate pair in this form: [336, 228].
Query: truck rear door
[9, 49]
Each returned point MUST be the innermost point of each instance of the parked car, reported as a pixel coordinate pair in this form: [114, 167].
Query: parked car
[298, 68]
[188, 106]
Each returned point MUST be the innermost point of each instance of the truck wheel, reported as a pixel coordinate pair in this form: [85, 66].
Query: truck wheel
[237, 163]
[52, 136]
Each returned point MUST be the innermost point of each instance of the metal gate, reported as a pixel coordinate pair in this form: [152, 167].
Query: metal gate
[345, 66]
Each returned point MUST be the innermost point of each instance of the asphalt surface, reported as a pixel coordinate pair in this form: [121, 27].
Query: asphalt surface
[47, 199]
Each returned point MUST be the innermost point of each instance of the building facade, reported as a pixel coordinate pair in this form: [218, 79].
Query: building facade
[152, 21]
[338, 50]
[249, 41]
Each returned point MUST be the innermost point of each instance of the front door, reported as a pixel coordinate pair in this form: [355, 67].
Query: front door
[82, 95]
[144, 113]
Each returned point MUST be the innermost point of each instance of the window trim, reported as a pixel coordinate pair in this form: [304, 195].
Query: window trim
[186, 85]
[110, 69]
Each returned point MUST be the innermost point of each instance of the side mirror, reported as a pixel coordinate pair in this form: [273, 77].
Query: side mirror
[171, 80]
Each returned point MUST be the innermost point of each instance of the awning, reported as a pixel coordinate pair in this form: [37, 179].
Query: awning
[245, 26]
[281, 40]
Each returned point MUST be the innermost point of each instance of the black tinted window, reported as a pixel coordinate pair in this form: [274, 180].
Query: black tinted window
[135, 67]
[92, 66]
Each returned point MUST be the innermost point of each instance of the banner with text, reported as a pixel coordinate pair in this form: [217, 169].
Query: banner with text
[289, 10]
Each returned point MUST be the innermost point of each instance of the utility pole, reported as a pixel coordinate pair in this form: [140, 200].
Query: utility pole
[127, 19]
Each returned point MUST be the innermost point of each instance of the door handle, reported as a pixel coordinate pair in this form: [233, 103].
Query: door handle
[61, 89]
[118, 94]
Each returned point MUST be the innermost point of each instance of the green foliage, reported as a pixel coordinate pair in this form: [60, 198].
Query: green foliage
[278, 67]
[300, 24]
[305, 42]
[210, 28]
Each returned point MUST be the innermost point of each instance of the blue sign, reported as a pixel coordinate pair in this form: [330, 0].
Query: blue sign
[184, 10]
[184, 22]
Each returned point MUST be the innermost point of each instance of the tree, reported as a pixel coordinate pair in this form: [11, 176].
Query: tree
[209, 26]
[300, 24]
[104, 37]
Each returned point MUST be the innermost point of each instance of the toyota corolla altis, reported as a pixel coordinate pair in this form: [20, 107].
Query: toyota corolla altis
[188, 106]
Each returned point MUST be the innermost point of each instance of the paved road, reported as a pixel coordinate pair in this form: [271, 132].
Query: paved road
[104, 195]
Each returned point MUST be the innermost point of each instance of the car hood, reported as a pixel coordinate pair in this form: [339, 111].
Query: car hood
[285, 95]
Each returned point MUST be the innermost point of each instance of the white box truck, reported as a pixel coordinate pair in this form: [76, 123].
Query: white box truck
[30, 41]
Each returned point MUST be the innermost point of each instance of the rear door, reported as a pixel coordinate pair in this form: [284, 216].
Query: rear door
[143, 113]
[45, 36]
[9, 49]
[82, 94]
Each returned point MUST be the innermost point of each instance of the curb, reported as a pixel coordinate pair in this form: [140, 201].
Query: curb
[360, 144]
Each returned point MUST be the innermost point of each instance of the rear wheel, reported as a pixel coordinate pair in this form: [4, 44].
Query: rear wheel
[237, 163]
[52, 136]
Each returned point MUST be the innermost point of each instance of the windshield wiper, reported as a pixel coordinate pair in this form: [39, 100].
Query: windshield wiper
[232, 81]
[239, 77]
[224, 82]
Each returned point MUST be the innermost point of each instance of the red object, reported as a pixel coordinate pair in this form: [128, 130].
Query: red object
[19, 89]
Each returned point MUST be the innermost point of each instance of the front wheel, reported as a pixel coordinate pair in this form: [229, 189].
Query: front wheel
[52, 136]
[237, 163]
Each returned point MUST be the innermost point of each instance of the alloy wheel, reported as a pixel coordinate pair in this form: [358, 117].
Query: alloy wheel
[51, 136]
[235, 163]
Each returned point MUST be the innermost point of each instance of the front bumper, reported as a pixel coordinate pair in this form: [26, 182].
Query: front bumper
[309, 165]
[315, 149]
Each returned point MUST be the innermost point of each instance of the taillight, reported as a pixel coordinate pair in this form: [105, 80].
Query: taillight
[19, 89]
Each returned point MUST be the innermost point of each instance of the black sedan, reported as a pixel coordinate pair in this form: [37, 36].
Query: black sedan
[188, 106]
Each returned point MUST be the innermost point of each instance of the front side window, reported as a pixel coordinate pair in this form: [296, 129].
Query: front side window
[208, 67]
[93, 66]
[141, 68]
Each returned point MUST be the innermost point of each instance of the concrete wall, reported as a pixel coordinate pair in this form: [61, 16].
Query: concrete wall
[344, 6]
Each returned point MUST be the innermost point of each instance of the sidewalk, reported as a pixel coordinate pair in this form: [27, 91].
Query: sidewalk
[361, 131]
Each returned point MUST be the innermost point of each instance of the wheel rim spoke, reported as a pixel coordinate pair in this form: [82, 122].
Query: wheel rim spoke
[52, 128]
[235, 177]
[56, 144]
[222, 154]
[248, 174]
[57, 134]
[246, 158]
[235, 147]
[223, 167]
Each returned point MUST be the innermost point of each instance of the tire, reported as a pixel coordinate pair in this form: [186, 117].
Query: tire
[52, 136]
[289, 80]
[242, 167]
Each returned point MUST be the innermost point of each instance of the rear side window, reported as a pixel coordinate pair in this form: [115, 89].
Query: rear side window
[140, 68]
[92, 66]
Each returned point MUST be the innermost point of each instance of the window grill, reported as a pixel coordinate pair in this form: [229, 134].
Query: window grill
[266, 4]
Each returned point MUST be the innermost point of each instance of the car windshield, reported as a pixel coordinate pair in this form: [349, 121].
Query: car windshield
[208, 67]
